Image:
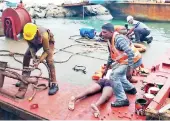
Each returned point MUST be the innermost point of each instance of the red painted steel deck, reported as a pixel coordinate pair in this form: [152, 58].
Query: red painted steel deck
[56, 107]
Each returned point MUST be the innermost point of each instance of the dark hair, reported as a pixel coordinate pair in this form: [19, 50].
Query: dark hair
[108, 27]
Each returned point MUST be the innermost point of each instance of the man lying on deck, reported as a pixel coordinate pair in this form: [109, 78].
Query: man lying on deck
[103, 85]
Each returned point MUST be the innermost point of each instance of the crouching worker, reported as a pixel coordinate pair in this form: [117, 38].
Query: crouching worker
[128, 58]
[140, 30]
[38, 37]
[103, 85]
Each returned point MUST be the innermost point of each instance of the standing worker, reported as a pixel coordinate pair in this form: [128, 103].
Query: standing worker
[127, 57]
[38, 37]
[121, 30]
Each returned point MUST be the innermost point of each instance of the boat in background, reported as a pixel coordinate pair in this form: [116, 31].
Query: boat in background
[155, 10]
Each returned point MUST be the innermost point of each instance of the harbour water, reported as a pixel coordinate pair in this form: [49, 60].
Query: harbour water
[63, 28]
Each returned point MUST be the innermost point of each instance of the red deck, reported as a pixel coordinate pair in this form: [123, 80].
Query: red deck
[56, 107]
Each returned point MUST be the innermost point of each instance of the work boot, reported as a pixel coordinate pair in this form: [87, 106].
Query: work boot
[133, 91]
[24, 74]
[149, 40]
[53, 89]
[29, 80]
[120, 103]
[54, 86]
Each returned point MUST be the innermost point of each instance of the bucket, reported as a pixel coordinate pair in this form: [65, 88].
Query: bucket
[147, 86]
[140, 106]
[153, 90]
[149, 97]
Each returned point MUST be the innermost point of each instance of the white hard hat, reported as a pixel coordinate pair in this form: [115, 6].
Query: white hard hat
[129, 18]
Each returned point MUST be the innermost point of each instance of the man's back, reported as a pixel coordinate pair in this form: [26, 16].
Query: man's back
[140, 25]
[121, 40]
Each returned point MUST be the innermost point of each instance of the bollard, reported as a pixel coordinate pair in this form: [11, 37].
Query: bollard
[3, 65]
[13, 21]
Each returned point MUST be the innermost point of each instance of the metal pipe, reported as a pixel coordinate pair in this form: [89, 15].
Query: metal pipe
[5, 92]
[16, 76]
[1, 79]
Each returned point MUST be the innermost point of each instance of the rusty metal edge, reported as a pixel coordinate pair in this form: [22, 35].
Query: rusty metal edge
[152, 114]
[19, 112]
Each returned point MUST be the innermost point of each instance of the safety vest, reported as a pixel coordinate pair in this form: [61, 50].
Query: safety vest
[118, 28]
[120, 56]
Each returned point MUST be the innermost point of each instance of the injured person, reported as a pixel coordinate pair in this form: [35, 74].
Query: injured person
[104, 85]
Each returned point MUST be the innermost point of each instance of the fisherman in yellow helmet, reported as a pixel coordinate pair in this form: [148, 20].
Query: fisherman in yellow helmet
[38, 37]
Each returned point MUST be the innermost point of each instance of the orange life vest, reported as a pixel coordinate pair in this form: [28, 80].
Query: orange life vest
[118, 28]
[120, 56]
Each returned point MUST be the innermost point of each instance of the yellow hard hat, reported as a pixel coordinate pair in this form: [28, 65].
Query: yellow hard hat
[30, 31]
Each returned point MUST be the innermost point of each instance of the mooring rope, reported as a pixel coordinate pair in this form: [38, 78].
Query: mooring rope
[14, 54]
[9, 71]
[95, 45]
